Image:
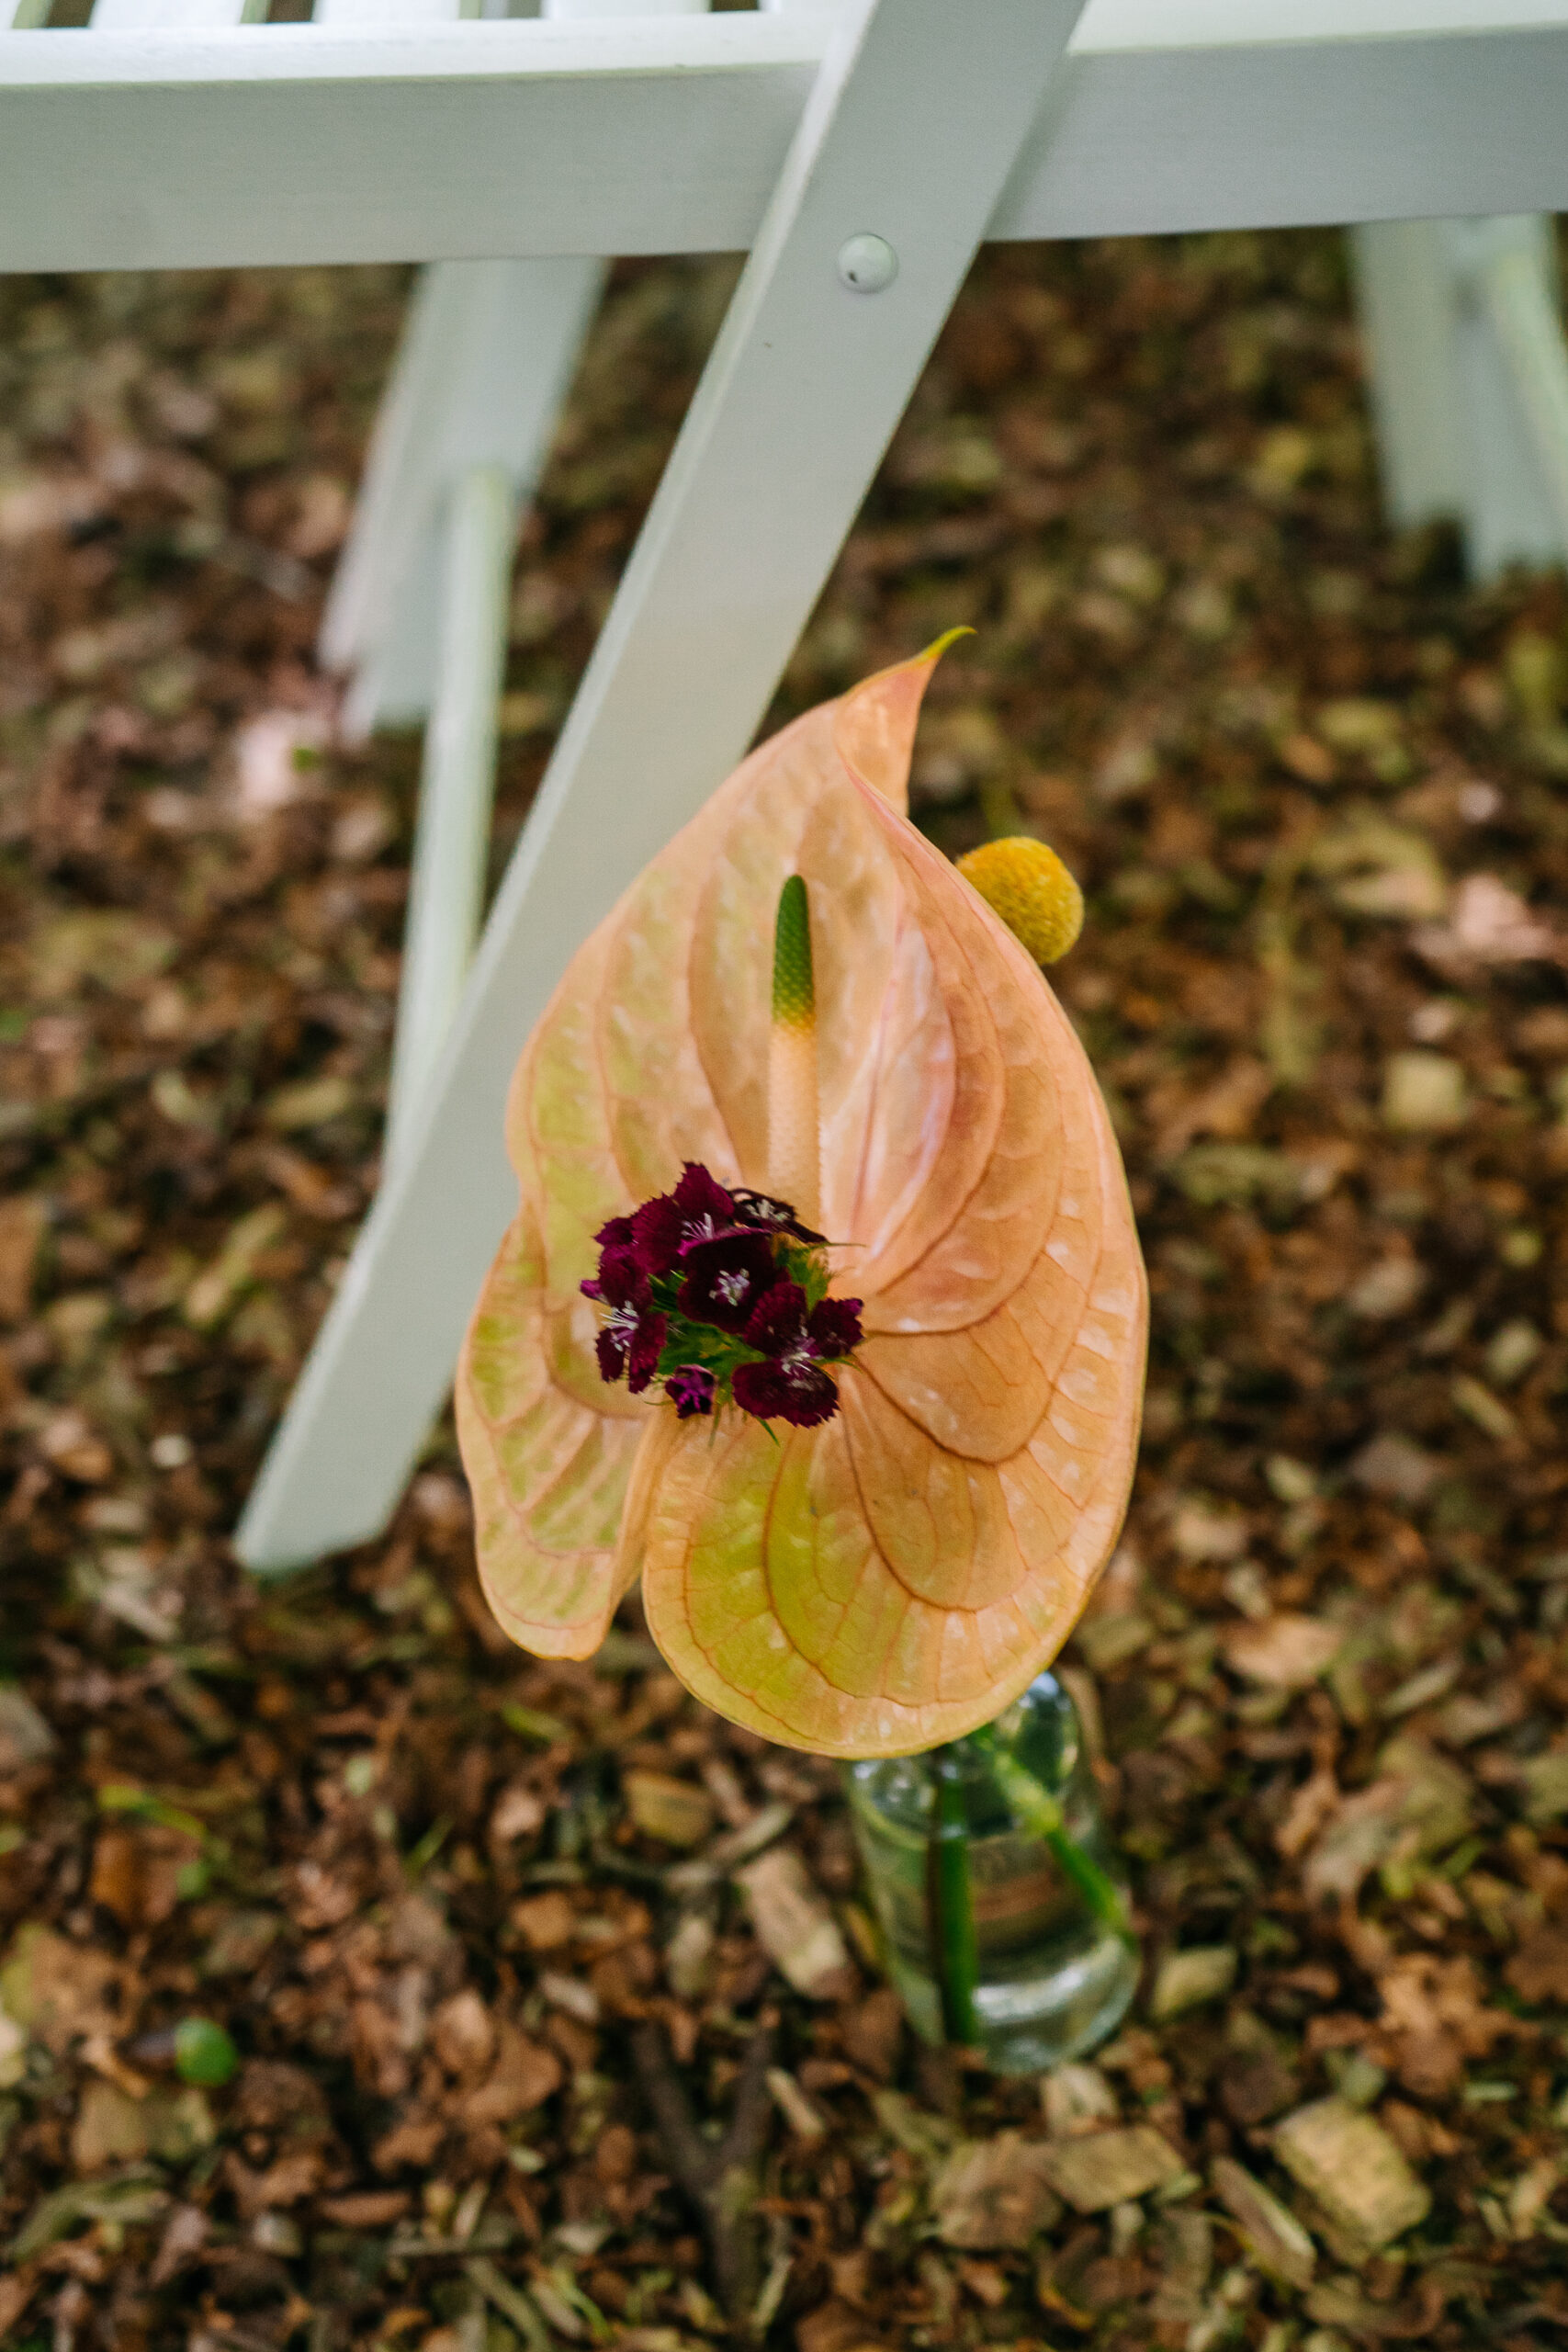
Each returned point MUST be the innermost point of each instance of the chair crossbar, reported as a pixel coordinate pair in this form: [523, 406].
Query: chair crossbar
[666, 134]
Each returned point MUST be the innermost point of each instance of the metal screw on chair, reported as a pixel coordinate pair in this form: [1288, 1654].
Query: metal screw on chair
[867, 264]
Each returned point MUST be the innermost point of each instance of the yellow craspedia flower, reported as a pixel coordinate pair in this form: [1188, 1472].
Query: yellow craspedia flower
[1026, 883]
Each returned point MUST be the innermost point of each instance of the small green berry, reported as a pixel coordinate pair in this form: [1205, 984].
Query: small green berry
[204, 2054]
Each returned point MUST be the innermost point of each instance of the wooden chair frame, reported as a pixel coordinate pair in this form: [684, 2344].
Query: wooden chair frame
[515, 153]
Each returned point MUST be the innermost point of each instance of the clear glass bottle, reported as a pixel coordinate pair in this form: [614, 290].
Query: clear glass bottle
[1052, 1972]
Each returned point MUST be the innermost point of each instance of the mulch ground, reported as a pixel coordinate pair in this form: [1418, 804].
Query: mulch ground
[1315, 788]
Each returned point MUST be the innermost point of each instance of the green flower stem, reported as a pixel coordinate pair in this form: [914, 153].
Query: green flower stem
[1039, 1811]
[950, 1905]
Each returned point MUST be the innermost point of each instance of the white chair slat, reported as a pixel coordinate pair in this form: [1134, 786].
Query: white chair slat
[131, 16]
[588, 11]
[342, 14]
[666, 134]
[421, 143]
[1207, 114]
[1108, 25]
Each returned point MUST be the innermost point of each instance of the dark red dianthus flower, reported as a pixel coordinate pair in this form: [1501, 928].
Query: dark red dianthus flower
[769, 1216]
[690, 1390]
[697, 1209]
[727, 1278]
[631, 1335]
[792, 1386]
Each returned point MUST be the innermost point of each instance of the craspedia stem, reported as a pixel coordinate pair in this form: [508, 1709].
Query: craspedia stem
[949, 1900]
[793, 1144]
[1041, 1813]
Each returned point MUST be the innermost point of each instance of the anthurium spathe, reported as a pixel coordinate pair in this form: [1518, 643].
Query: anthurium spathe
[893, 1572]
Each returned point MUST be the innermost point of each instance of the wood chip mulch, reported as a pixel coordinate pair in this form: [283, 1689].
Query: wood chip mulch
[494, 1992]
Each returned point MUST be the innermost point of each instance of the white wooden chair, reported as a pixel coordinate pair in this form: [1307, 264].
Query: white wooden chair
[861, 152]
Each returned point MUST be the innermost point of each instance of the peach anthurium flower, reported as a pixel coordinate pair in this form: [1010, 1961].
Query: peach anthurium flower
[895, 1576]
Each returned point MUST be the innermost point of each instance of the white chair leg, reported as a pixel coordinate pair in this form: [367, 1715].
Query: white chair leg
[456, 786]
[917, 114]
[1469, 380]
[1517, 362]
[1405, 293]
[486, 354]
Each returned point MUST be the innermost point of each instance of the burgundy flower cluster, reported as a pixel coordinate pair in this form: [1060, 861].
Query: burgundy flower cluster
[720, 1295]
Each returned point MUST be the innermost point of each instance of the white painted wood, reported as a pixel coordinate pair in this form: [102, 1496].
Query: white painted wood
[420, 603]
[457, 141]
[1404, 297]
[588, 11]
[913, 122]
[123, 16]
[666, 134]
[374, 14]
[467, 417]
[456, 788]
[1108, 25]
[1516, 366]
[487, 351]
[1278, 131]
[1468, 373]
